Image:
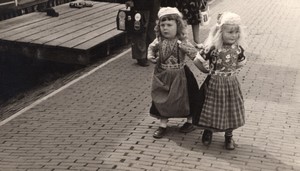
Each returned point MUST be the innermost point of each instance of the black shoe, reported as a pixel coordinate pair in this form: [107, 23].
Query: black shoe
[186, 128]
[207, 137]
[160, 132]
[229, 143]
[51, 12]
[143, 62]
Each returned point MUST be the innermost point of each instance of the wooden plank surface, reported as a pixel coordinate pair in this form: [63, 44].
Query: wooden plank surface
[90, 34]
[48, 32]
[81, 29]
[27, 19]
[101, 38]
[74, 35]
[49, 22]
[71, 28]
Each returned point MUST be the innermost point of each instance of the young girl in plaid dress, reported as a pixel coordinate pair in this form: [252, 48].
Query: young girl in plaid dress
[222, 54]
[174, 87]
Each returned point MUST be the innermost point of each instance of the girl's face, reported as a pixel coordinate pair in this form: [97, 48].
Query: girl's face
[230, 33]
[168, 29]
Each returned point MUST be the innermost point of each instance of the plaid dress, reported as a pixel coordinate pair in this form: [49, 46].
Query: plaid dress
[223, 105]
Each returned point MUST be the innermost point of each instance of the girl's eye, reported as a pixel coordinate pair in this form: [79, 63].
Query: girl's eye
[234, 32]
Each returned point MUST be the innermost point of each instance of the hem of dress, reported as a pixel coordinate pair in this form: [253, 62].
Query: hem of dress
[164, 117]
[216, 129]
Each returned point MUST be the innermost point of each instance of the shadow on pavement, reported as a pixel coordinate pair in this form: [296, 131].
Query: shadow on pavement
[244, 157]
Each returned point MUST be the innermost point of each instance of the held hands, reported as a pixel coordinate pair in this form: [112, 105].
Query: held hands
[199, 46]
[201, 63]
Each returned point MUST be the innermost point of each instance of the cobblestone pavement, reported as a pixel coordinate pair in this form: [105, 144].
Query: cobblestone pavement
[101, 122]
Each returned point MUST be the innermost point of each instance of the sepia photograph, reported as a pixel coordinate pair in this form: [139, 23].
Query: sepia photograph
[149, 85]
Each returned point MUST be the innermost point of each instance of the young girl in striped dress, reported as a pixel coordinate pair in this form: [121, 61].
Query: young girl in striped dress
[221, 56]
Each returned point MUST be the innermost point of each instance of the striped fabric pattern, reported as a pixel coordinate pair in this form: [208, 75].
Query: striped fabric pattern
[224, 105]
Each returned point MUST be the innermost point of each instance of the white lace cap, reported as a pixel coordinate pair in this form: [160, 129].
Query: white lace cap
[168, 10]
[229, 18]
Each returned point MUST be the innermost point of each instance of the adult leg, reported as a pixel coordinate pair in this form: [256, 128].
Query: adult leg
[152, 22]
[139, 43]
[196, 33]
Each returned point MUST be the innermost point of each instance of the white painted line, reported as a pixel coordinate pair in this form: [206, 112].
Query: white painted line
[61, 89]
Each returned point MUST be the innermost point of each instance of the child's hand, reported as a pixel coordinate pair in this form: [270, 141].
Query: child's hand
[186, 48]
[153, 59]
[199, 46]
[201, 63]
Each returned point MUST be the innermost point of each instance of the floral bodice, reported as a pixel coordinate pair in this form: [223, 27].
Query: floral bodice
[227, 59]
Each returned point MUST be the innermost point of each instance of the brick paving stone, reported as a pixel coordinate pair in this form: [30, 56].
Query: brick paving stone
[102, 122]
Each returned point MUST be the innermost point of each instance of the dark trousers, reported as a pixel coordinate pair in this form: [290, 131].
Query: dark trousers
[141, 41]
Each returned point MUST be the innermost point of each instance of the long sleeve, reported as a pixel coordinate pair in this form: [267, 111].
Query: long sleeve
[242, 60]
[201, 63]
[152, 50]
[188, 48]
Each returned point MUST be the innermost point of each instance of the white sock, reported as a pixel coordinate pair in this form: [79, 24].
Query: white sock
[163, 123]
[189, 120]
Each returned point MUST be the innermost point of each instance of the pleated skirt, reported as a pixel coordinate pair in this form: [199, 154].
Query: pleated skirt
[223, 106]
[174, 94]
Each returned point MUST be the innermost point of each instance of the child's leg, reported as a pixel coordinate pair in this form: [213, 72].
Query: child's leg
[229, 142]
[163, 123]
[188, 126]
[189, 119]
[207, 137]
[159, 133]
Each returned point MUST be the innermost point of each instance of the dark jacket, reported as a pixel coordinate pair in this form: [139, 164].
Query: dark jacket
[143, 4]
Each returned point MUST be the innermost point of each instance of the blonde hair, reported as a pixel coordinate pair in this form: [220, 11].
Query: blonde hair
[214, 38]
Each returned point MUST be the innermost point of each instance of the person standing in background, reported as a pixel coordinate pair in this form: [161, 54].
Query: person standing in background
[141, 41]
[191, 13]
[168, 3]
